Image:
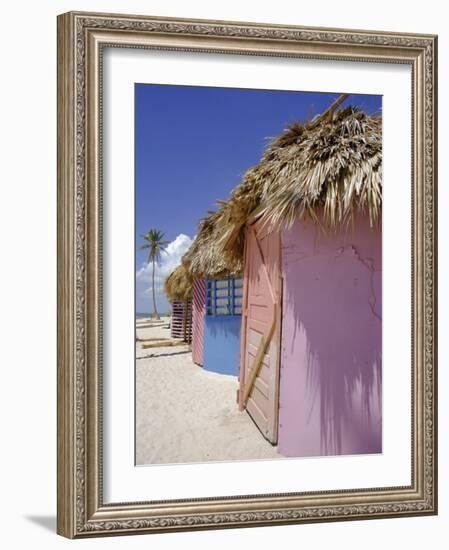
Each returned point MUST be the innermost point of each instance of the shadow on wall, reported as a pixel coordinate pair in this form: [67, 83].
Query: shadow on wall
[331, 374]
[222, 343]
[224, 326]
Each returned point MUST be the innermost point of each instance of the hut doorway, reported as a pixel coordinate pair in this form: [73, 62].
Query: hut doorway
[261, 329]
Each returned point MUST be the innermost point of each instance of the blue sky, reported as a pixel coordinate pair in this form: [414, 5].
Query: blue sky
[193, 145]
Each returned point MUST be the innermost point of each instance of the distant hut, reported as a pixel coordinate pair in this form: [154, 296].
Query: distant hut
[217, 296]
[306, 225]
[178, 289]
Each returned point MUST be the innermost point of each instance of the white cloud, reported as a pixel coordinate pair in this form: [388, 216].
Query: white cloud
[170, 259]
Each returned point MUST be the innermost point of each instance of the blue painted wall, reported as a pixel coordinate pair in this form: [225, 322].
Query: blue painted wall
[222, 343]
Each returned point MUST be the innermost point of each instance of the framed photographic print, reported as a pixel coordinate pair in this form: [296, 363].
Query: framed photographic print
[246, 274]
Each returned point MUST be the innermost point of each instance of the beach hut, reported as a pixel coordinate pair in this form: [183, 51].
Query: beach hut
[217, 298]
[178, 288]
[306, 224]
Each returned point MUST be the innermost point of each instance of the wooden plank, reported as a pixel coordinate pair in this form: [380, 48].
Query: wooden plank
[258, 360]
[254, 338]
[259, 397]
[264, 373]
[252, 350]
[261, 385]
[163, 344]
[243, 333]
[256, 326]
[257, 415]
[260, 313]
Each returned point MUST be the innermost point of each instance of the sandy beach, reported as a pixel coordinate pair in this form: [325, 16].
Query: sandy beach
[184, 413]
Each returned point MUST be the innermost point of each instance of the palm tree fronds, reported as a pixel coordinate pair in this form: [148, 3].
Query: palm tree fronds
[155, 244]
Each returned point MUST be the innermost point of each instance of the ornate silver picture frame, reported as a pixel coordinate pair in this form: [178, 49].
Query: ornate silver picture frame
[82, 41]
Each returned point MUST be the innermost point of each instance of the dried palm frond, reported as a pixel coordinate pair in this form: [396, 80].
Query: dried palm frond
[178, 285]
[328, 170]
[205, 259]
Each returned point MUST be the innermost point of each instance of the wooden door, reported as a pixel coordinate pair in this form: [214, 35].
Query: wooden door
[261, 330]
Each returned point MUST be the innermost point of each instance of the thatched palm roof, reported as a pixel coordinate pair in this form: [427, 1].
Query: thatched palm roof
[328, 169]
[178, 285]
[204, 259]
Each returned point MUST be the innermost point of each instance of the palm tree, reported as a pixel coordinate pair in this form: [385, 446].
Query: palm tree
[154, 242]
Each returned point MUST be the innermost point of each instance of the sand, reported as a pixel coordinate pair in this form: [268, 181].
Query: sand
[187, 414]
[152, 328]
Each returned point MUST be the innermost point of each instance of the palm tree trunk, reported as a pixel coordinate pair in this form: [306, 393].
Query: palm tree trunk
[155, 313]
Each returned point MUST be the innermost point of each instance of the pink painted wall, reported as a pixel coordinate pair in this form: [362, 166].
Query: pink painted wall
[198, 312]
[331, 350]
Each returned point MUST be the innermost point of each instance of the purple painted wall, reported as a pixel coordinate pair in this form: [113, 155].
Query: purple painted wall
[331, 350]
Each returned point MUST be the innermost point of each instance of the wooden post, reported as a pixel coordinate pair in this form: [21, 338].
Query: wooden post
[185, 321]
[262, 349]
